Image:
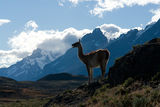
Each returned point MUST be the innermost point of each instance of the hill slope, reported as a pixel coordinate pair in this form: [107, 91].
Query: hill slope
[12, 91]
[62, 76]
[133, 81]
[141, 63]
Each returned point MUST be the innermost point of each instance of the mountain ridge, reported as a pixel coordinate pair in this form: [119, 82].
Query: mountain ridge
[117, 48]
[62, 76]
[95, 42]
[31, 68]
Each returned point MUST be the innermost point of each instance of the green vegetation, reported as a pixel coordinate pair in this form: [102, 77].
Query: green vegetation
[128, 82]
[129, 94]
[140, 102]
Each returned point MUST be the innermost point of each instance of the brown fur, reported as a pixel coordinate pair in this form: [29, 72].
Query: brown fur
[98, 58]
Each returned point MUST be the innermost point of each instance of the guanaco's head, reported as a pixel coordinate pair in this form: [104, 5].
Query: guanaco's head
[77, 44]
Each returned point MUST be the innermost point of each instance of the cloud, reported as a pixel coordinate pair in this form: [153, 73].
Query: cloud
[102, 6]
[31, 25]
[24, 43]
[109, 5]
[74, 2]
[61, 41]
[156, 15]
[10, 57]
[78, 1]
[3, 21]
[60, 4]
[31, 38]
[112, 31]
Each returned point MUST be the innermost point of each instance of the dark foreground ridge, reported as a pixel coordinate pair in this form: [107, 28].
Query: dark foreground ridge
[142, 63]
[140, 67]
[74, 97]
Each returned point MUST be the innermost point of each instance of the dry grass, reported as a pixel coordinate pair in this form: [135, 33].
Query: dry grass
[24, 102]
[132, 96]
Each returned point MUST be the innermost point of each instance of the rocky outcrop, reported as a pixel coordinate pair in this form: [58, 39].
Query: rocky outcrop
[142, 63]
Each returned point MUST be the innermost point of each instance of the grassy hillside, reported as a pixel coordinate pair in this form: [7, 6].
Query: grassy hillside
[133, 81]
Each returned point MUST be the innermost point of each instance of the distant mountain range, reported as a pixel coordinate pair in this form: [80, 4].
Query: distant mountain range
[42, 63]
[30, 67]
[70, 62]
[134, 37]
[63, 77]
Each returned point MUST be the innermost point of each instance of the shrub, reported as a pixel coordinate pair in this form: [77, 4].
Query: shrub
[117, 60]
[136, 46]
[94, 100]
[68, 91]
[97, 92]
[126, 101]
[147, 91]
[122, 91]
[140, 102]
[104, 87]
[155, 96]
[82, 105]
[105, 101]
[128, 82]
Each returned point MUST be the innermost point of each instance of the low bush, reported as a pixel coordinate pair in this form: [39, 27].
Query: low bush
[128, 82]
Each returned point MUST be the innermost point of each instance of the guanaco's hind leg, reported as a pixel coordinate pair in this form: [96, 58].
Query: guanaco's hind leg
[91, 74]
[103, 69]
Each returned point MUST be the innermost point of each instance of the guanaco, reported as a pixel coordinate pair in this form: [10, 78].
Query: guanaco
[98, 58]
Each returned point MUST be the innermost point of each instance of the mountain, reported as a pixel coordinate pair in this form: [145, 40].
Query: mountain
[42, 63]
[122, 45]
[30, 67]
[133, 37]
[4, 80]
[90, 42]
[133, 81]
[62, 76]
[97, 40]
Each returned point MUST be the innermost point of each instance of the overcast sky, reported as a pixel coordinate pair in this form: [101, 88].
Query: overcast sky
[26, 25]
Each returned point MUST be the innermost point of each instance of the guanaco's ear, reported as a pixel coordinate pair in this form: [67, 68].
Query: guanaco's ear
[79, 40]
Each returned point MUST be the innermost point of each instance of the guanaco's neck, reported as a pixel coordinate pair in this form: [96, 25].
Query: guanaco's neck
[80, 52]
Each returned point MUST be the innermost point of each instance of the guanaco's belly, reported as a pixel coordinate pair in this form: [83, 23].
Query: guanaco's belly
[94, 63]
